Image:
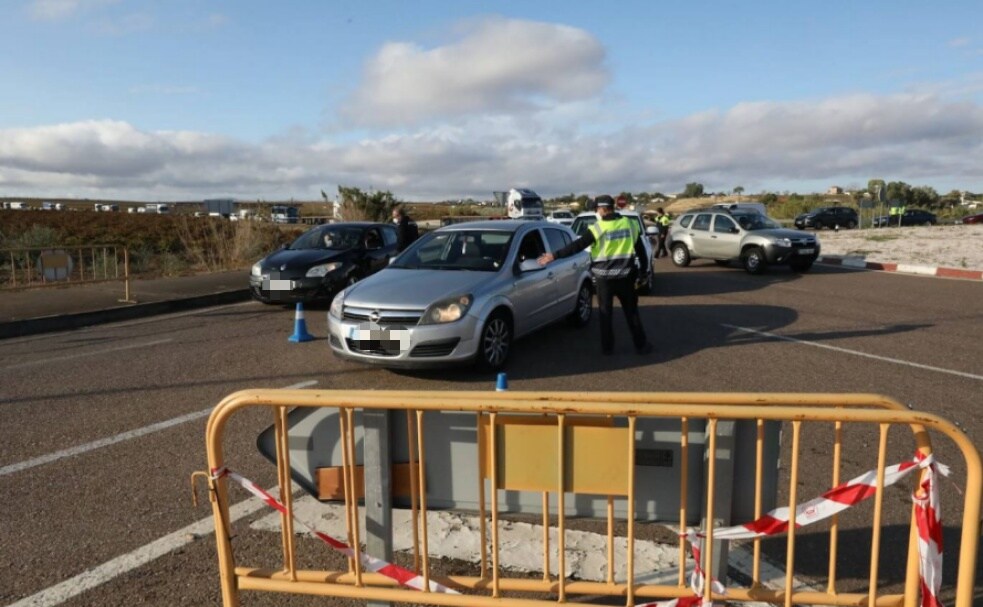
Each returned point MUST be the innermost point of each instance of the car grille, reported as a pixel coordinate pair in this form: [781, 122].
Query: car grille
[435, 348]
[385, 317]
[371, 346]
[799, 243]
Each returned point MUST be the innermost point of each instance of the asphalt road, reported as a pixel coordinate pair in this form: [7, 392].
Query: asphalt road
[119, 515]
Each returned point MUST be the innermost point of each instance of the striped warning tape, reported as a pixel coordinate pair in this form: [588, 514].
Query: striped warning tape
[927, 514]
[405, 577]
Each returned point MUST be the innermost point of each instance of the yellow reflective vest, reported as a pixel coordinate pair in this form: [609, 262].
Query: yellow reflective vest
[613, 252]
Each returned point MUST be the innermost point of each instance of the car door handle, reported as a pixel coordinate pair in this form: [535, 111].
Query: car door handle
[549, 275]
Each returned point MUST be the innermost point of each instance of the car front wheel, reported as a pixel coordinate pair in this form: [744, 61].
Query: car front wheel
[754, 260]
[851, 224]
[680, 255]
[495, 343]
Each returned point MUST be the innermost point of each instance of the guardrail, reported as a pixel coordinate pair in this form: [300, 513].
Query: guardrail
[573, 443]
[29, 268]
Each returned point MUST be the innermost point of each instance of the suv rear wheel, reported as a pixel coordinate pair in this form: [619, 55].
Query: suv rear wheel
[851, 224]
[754, 260]
[680, 255]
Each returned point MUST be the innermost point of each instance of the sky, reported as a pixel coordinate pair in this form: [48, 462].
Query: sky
[440, 100]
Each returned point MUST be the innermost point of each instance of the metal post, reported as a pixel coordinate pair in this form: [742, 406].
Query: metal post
[378, 488]
[723, 492]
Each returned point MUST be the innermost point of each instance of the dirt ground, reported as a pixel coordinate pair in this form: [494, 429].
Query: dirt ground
[946, 246]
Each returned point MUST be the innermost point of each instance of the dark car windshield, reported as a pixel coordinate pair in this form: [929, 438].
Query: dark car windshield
[756, 221]
[481, 250]
[331, 237]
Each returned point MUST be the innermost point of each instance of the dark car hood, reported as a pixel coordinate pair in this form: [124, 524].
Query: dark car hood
[290, 259]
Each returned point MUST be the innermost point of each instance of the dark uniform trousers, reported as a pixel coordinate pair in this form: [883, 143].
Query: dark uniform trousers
[624, 290]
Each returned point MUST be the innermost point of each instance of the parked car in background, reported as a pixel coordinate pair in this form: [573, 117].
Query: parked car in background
[462, 294]
[757, 241]
[562, 217]
[645, 283]
[322, 261]
[911, 217]
[828, 217]
[978, 218]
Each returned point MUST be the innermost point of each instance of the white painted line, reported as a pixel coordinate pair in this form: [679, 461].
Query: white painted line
[84, 354]
[112, 440]
[896, 361]
[91, 578]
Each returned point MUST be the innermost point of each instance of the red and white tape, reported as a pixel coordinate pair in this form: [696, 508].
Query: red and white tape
[927, 514]
[404, 577]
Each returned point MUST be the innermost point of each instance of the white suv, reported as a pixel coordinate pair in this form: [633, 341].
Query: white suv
[645, 283]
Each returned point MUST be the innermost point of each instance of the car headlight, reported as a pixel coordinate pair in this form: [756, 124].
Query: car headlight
[323, 270]
[337, 304]
[257, 269]
[447, 310]
[783, 242]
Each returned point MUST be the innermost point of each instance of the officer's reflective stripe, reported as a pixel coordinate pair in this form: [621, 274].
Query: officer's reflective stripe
[616, 234]
[611, 272]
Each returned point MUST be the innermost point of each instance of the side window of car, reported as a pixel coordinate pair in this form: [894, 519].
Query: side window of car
[702, 222]
[557, 238]
[372, 239]
[389, 235]
[723, 224]
[531, 246]
[685, 220]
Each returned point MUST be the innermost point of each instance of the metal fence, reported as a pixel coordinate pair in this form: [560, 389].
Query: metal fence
[29, 268]
[566, 444]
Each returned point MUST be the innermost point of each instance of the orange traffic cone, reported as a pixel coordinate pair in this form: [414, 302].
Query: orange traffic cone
[300, 326]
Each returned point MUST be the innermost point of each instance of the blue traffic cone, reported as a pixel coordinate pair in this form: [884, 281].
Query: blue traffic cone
[300, 326]
[502, 384]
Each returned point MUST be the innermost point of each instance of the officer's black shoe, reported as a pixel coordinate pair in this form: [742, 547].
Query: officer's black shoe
[646, 349]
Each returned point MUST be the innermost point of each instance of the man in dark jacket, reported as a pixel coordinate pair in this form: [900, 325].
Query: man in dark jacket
[615, 242]
[406, 229]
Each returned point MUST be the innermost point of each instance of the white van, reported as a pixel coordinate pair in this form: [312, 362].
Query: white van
[757, 207]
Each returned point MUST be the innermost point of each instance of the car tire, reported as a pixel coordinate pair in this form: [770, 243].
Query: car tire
[680, 255]
[584, 307]
[800, 266]
[851, 224]
[754, 260]
[495, 343]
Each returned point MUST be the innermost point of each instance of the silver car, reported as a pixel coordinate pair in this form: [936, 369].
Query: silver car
[462, 294]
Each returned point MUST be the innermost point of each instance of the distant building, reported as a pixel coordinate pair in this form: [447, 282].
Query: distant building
[834, 190]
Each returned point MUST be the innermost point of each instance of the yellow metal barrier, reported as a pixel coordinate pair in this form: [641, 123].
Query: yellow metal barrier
[560, 434]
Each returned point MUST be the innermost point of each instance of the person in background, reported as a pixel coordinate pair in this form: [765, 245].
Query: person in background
[662, 220]
[615, 242]
[406, 229]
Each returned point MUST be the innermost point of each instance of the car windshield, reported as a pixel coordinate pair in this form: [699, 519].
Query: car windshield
[479, 250]
[755, 221]
[333, 237]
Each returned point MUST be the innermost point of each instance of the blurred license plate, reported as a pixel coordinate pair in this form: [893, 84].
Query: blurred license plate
[806, 251]
[390, 339]
[280, 285]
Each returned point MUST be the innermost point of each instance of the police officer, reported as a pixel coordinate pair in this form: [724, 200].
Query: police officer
[615, 242]
[662, 220]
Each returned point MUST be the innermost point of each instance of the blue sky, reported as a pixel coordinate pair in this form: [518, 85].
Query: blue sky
[190, 99]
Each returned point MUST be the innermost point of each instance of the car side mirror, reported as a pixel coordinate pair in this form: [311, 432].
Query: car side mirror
[529, 265]
[735, 230]
[652, 231]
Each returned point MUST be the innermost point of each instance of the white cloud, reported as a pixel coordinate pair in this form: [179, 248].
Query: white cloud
[918, 138]
[56, 10]
[489, 69]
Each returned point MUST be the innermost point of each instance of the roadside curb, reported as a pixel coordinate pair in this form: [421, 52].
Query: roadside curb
[859, 263]
[65, 322]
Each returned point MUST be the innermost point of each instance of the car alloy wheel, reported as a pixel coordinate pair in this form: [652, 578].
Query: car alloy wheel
[754, 260]
[680, 255]
[496, 338]
[585, 306]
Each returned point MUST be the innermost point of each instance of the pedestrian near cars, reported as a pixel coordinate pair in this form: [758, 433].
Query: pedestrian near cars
[615, 243]
[406, 229]
[662, 221]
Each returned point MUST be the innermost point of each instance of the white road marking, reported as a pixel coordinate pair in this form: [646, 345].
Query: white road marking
[45, 361]
[896, 361]
[91, 578]
[112, 440]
